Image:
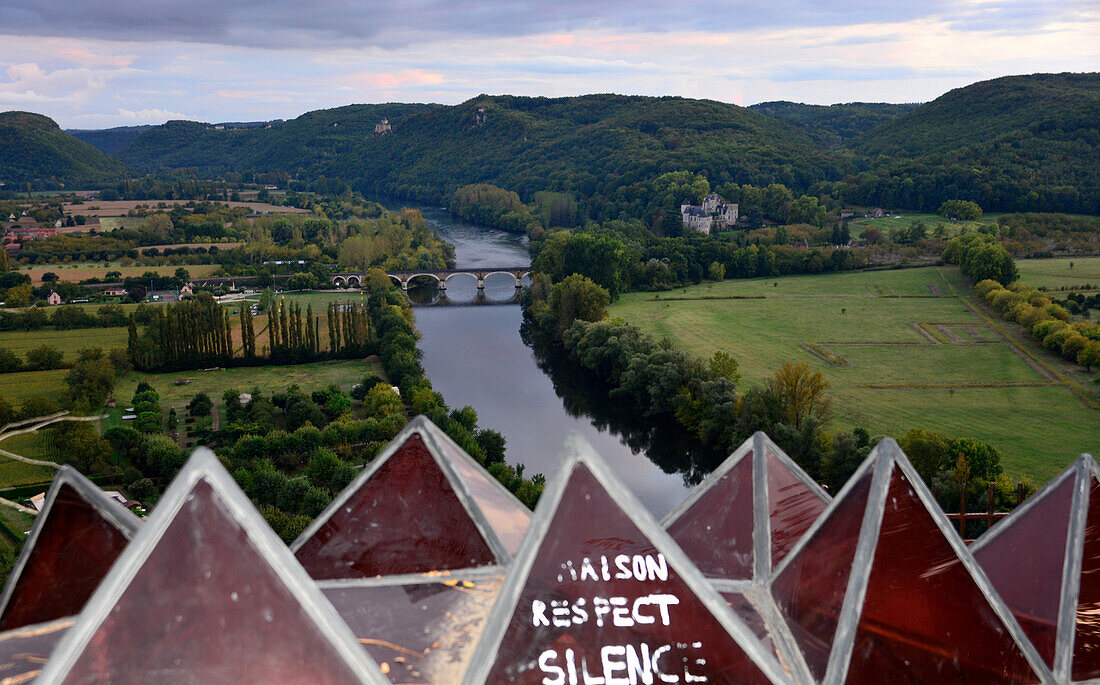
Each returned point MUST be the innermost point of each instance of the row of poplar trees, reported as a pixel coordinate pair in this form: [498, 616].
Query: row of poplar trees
[197, 333]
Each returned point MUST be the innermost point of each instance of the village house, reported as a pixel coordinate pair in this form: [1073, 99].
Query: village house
[383, 127]
[53, 298]
[713, 213]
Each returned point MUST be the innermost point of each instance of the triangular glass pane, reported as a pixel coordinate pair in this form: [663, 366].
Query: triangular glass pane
[505, 514]
[810, 588]
[716, 531]
[208, 594]
[1086, 642]
[1024, 559]
[24, 650]
[793, 506]
[419, 632]
[924, 619]
[72, 546]
[406, 518]
[601, 600]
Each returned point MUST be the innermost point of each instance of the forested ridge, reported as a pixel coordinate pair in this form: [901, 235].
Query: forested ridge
[33, 149]
[1020, 143]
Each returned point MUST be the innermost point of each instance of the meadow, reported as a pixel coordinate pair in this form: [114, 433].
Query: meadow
[901, 349]
[1064, 272]
[68, 342]
[857, 226]
[76, 272]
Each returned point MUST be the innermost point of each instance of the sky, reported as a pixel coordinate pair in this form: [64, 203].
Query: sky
[104, 63]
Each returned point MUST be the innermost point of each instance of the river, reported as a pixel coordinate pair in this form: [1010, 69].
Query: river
[475, 356]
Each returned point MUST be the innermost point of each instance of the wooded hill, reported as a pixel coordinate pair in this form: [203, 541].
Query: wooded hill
[34, 149]
[1021, 143]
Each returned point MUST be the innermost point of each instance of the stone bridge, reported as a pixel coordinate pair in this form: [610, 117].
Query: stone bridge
[441, 276]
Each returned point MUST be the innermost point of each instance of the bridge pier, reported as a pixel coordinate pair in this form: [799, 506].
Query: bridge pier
[480, 282]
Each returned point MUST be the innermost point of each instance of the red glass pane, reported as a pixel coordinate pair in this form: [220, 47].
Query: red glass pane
[418, 633]
[1086, 643]
[924, 619]
[505, 514]
[601, 601]
[716, 532]
[1024, 562]
[405, 519]
[206, 606]
[24, 650]
[744, 608]
[810, 590]
[793, 507]
[74, 550]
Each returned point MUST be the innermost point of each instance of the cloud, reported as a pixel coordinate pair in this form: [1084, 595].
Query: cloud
[827, 72]
[287, 24]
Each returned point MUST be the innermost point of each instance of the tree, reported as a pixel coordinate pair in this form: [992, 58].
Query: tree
[19, 296]
[182, 275]
[961, 209]
[806, 210]
[49, 277]
[493, 443]
[91, 380]
[800, 394]
[200, 405]
[723, 365]
[578, 297]
[44, 358]
[137, 293]
[9, 361]
[302, 281]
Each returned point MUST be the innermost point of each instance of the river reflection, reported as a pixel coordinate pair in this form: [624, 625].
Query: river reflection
[474, 355]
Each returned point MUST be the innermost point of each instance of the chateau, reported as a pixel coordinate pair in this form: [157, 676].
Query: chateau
[714, 213]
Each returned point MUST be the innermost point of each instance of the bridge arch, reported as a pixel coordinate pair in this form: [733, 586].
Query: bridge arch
[338, 281]
[354, 281]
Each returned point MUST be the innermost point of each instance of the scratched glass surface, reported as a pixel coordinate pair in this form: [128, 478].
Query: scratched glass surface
[419, 632]
[25, 649]
[716, 531]
[602, 602]
[811, 588]
[1086, 644]
[73, 552]
[924, 619]
[1024, 562]
[507, 517]
[793, 507]
[405, 519]
[206, 607]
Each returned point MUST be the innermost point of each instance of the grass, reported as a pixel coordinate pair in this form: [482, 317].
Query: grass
[269, 379]
[870, 319]
[17, 387]
[67, 341]
[77, 272]
[1061, 272]
[13, 473]
[857, 226]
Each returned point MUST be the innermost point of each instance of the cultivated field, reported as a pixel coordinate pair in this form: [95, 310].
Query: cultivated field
[66, 341]
[17, 387]
[123, 207]
[74, 273]
[901, 349]
[1068, 272]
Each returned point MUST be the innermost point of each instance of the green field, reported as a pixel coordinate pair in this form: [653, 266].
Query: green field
[16, 387]
[857, 226]
[66, 341]
[269, 379]
[899, 349]
[1058, 273]
[14, 472]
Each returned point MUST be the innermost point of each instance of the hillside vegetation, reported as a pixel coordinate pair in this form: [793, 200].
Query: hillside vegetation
[1019, 143]
[34, 149]
[835, 124]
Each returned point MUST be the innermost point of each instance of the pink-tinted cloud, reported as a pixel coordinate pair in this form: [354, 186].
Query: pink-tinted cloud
[366, 80]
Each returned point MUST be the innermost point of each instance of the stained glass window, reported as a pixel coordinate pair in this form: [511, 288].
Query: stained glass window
[423, 505]
[745, 517]
[422, 630]
[594, 595]
[207, 593]
[915, 608]
[77, 536]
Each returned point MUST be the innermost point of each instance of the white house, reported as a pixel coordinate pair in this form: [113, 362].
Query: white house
[713, 213]
[53, 298]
